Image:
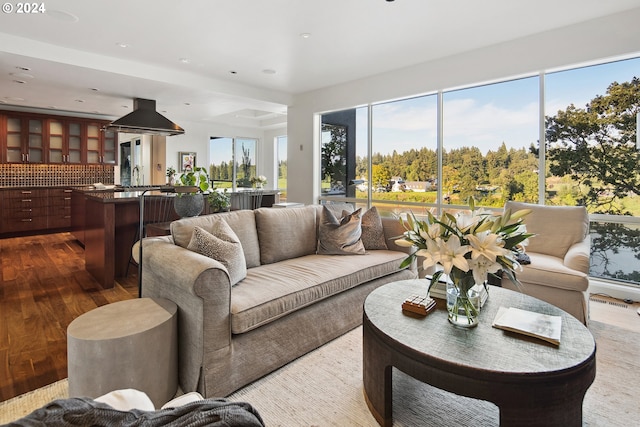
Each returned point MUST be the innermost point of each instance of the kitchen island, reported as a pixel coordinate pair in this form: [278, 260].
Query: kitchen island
[106, 222]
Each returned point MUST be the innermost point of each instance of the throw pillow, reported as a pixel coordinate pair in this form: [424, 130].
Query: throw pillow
[222, 245]
[372, 231]
[340, 236]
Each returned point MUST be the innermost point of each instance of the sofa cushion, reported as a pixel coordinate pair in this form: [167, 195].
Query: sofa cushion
[372, 230]
[556, 227]
[285, 233]
[222, 245]
[242, 222]
[340, 236]
[272, 291]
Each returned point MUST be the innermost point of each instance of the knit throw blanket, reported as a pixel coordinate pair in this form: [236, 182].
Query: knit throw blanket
[87, 412]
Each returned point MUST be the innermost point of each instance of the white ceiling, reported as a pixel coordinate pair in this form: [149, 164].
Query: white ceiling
[244, 60]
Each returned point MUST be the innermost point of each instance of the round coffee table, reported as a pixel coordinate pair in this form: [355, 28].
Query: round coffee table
[531, 381]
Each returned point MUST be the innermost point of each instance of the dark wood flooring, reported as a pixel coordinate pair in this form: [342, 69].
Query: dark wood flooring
[43, 287]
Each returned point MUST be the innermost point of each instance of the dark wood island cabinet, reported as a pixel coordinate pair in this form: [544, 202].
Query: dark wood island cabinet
[106, 223]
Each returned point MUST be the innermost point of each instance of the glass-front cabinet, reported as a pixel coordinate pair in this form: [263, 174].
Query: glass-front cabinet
[65, 142]
[24, 140]
[36, 138]
[101, 145]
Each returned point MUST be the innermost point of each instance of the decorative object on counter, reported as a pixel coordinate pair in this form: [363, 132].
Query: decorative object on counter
[138, 176]
[171, 175]
[190, 188]
[467, 247]
[258, 181]
[219, 201]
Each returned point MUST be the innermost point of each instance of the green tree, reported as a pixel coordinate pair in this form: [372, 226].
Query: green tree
[380, 175]
[596, 146]
[334, 155]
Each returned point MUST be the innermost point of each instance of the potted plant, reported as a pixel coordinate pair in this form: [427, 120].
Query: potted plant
[219, 201]
[190, 189]
[171, 175]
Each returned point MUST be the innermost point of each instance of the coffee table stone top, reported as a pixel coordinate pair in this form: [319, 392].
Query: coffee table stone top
[483, 348]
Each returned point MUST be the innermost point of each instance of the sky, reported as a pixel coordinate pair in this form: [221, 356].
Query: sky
[485, 116]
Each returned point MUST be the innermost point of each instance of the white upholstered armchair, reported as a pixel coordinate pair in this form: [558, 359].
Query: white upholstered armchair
[558, 273]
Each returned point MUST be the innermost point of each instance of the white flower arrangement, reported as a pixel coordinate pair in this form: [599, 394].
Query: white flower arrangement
[468, 245]
[259, 180]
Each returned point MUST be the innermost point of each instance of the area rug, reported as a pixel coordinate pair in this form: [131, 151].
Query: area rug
[324, 388]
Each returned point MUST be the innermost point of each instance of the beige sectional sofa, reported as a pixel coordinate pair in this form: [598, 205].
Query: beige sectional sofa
[289, 301]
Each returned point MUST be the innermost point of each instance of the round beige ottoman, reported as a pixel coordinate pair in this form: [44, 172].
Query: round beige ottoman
[127, 344]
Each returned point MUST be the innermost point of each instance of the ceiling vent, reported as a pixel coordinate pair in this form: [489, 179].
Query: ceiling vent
[146, 120]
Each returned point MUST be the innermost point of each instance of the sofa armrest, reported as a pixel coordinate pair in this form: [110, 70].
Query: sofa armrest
[577, 257]
[392, 231]
[201, 289]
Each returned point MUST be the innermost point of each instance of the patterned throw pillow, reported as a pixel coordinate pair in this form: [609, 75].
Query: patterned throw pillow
[222, 245]
[340, 236]
[372, 231]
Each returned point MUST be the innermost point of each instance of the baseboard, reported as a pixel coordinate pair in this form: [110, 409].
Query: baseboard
[614, 289]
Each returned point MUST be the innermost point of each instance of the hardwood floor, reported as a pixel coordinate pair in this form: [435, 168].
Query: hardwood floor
[43, 287]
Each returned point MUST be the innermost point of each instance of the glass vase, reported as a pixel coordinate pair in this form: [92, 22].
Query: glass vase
[463, 304]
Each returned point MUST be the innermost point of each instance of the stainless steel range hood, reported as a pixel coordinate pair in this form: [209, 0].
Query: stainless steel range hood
[145, 119]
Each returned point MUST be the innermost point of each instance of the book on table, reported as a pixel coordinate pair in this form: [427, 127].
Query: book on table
[543, 326]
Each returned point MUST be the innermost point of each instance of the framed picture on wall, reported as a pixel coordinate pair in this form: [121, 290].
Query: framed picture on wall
[187, 161]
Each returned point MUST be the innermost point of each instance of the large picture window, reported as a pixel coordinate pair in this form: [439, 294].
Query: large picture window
[485, 141]
[232, 162]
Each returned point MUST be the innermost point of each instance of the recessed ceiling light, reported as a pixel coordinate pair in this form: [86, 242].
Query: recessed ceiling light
[122, 45]
[233, 72]
[124, 106]
[305, 35]
[61, 15]
[19, 81]
[24, 68]
[21, 75]
[268, 71]
[53, 107]
[187, 103]
[185, 60]
[80, 100]
[95, 89]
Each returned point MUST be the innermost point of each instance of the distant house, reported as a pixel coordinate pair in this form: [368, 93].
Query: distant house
[419, 186]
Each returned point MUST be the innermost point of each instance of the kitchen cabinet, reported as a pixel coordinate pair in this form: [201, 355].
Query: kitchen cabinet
[59, 212]
[38, 138]
[32, 209]
[101, 145]
[23, 140]
[24, 210]
[64, 141]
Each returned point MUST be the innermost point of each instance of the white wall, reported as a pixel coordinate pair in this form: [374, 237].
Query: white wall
[602, 38]
[267, 153]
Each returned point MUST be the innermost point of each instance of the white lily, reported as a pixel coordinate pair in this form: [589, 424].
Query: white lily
[481, 267]
[452, 254]
[486, 244]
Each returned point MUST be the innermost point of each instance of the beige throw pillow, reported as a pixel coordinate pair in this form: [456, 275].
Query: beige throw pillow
[223, 246]
[340, 237]
[372, 231]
